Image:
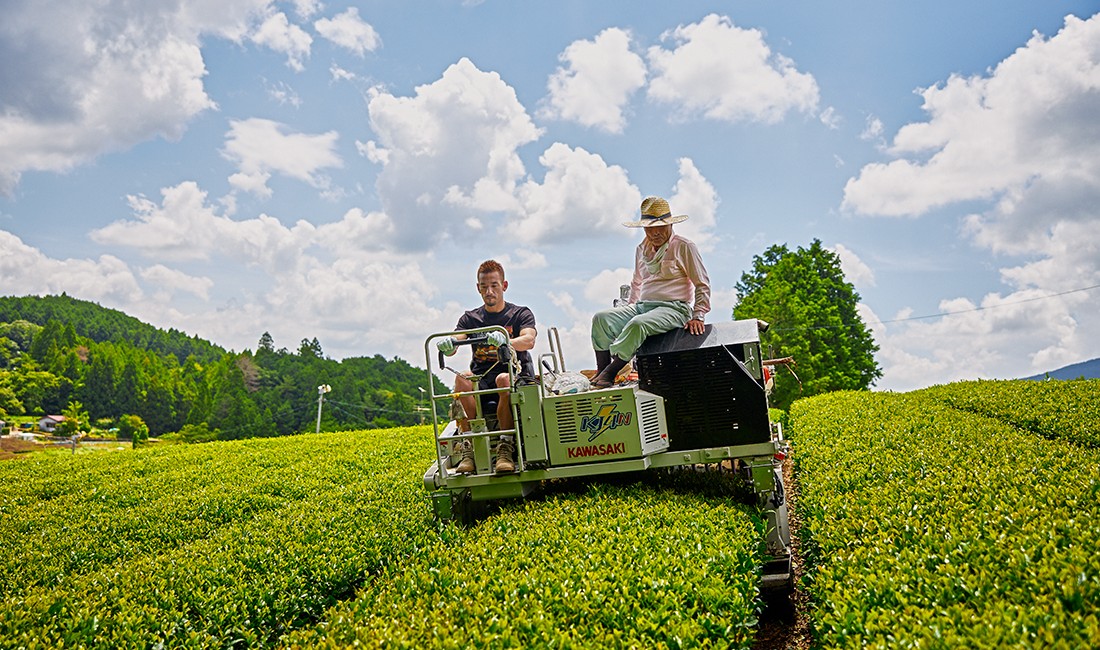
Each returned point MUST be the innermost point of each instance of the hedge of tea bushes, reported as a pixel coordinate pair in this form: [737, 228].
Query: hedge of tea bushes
[614, 566]
[1055, 409]
[324, 539]
[222, 544]
[927, 526]
[137, 502]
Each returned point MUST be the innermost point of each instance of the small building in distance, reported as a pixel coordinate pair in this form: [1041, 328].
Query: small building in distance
[49, 423]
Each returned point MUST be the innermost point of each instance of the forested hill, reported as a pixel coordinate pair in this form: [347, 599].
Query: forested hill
[101, 324]
[62, 356]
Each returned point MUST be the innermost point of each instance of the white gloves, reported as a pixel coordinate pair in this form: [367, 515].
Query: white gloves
[493, 339]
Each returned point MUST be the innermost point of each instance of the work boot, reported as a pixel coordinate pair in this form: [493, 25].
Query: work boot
[607, 376]
[466, 465]
[506, 452]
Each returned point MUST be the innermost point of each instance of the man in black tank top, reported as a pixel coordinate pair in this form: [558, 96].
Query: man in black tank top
[519, 322]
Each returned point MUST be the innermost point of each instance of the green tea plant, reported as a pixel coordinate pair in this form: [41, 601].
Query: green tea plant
[327, 539]
[929, 526]
[1069, 410]
[63, 518]
[325, 514]
[614, 566]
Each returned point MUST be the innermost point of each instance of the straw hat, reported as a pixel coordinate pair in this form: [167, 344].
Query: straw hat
[655, 212]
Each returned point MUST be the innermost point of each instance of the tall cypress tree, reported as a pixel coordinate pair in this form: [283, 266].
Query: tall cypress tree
[813, 317]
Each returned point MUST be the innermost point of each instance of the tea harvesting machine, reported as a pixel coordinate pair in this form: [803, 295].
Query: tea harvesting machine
[699, 401]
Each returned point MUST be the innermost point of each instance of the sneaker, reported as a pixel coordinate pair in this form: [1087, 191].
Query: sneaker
[506, 451]
[466, 465]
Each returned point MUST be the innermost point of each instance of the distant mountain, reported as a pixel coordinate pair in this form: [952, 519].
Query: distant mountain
[1085, 369]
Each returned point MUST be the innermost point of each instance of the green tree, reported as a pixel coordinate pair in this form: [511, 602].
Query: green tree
[130, 390]
[101, 383]
[9, 402]
[20, 332]
[76, 419]
[230, 408]
[40, 391]
[132, 427]
[812, 314]
[310, 349]
[45, 339]
[194, 433]
[266, 343]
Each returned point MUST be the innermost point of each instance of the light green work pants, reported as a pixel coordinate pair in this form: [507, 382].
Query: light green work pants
[622, 330]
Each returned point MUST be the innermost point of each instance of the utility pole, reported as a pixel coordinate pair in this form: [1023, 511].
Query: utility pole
[421, 408]
[321, 390]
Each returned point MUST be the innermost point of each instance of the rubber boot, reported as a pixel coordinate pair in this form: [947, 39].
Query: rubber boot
[466, 465]
[606, 378]
[603, 359]
[506, 451]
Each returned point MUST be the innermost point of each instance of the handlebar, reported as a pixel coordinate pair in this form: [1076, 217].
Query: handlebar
[504, 352]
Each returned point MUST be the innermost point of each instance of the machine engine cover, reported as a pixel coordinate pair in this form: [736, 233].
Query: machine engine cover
[712, 385]
[611, 424]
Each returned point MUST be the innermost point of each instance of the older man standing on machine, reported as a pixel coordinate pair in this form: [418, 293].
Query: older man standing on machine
[670, 289]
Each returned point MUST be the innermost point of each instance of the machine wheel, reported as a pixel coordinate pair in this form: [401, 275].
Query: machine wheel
[466, 511]
[462, 507]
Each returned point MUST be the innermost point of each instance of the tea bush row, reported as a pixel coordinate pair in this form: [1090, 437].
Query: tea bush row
[61, 516]
[1055, 409]
[251, 544]
[614, 566]
[345, 508]
[927, 526]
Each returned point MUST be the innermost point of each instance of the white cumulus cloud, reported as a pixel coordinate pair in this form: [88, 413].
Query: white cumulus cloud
[1031, 121]
[74, 83]
[855, 269]
[185, 227]
[349, 31]
[259, 147]
[580, 196]
[727, 73]
[81, 79]
[1022, 139]
[596, 81]
[169, 281]
[279, 34]
[450, 153]
[24, 270]
[696, 197]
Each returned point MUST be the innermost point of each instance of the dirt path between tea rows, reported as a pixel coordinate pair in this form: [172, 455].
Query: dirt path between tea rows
[785, 622]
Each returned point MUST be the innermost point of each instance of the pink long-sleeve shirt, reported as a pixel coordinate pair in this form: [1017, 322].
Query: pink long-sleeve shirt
[682, 277]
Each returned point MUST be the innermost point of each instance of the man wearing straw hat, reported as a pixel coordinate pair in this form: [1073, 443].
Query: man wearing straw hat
[670, 289]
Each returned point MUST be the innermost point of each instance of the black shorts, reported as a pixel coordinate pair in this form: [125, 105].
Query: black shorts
[489, 399]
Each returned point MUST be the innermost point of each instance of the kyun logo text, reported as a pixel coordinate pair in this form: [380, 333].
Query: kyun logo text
[606, 418]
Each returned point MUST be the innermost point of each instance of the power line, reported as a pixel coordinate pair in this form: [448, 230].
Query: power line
[368, 407]
[1003, 304]
[941, 314]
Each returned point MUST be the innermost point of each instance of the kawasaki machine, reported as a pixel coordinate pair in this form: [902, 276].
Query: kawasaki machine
[698, 402]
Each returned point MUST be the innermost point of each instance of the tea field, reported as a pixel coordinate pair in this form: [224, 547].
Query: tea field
[965, 515]
[326, 540]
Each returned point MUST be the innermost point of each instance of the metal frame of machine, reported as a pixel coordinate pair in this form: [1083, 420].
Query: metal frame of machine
[700, 401]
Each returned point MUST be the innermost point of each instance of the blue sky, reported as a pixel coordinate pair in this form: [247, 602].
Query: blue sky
[338, 169]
